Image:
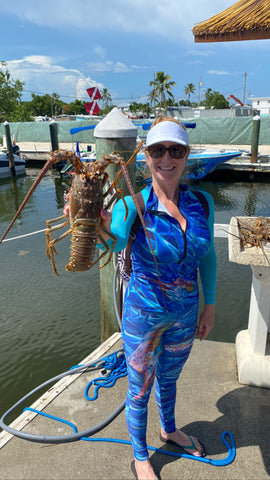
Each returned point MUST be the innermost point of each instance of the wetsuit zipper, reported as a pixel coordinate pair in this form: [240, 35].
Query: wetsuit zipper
[157, 212]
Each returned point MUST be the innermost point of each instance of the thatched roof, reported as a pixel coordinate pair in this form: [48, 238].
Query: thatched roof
[244, 20]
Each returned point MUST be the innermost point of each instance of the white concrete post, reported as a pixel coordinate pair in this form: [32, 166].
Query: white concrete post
[259, 312]
[253, 360]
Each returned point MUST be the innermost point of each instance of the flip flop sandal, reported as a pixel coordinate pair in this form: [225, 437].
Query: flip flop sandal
[187, 447]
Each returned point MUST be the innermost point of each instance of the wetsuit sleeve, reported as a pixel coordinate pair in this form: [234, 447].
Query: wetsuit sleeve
[120, 227]
[208, 263]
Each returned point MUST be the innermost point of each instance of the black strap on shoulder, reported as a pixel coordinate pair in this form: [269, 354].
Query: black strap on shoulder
[133, 232]
[200, 196]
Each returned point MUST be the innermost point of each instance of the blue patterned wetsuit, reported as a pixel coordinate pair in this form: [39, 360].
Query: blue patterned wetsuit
[159, 320]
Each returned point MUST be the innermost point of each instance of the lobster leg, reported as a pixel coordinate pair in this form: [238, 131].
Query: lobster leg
[107, 248]
[46, 167]
[50, 248]
[114, 183]
[117, 194]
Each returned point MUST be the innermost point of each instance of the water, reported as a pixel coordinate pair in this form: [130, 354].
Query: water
[49, 324]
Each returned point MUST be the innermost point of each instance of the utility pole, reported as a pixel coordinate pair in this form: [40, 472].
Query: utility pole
[244, 91]
[199, 93]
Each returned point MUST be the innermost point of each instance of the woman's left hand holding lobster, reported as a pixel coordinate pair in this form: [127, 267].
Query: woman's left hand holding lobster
[105, 223]
[66, 206]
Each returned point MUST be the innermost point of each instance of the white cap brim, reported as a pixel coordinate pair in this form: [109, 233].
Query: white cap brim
[167, 132]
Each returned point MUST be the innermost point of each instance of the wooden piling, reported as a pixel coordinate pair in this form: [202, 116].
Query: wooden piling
[256, 123]
[54, 135]
[10, 150]
[115, 133]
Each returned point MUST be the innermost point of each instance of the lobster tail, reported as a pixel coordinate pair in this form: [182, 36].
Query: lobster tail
[82, 251]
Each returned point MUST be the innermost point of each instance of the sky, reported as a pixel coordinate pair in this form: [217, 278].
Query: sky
[67, 46]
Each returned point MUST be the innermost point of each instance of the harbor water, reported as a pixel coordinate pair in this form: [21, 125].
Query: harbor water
[49, 323]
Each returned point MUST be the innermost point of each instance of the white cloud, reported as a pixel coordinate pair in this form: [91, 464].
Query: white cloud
[169, 18]
[200, 53]
[45, 77]
[108, 66]
[218, 72]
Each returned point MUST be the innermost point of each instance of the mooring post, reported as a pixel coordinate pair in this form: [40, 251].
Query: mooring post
[54, 135]
[256, 123]
[252, 345]
[115, 133]
[10, 150]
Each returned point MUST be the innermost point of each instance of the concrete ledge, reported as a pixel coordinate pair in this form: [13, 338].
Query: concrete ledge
[253, 369]
[250, 255]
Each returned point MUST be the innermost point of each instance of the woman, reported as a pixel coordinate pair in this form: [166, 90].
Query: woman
[161, 302]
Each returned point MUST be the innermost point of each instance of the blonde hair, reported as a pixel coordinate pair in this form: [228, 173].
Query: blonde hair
[166, 119]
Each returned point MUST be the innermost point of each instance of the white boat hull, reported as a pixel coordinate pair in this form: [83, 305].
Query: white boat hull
[200, 162]
[4, 165]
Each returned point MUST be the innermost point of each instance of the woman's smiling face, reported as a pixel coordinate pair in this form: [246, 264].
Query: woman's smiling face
[167, 169]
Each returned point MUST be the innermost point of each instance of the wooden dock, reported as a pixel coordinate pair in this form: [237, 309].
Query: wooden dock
[238, 168]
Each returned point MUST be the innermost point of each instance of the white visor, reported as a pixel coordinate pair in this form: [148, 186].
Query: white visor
[167, 132]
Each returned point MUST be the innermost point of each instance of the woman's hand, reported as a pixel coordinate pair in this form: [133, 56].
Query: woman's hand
[66, 206]
[106, 218]
[105, 224]
[206, 321]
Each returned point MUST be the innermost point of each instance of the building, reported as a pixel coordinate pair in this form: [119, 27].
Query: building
[262, 104]
[201, 112]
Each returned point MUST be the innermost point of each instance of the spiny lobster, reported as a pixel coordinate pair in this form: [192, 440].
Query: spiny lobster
[86, 202]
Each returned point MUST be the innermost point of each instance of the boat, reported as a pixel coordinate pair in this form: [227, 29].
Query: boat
[201, 162]
[4, 164]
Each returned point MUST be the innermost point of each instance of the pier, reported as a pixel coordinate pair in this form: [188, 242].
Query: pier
[239, 167]
[209, 401]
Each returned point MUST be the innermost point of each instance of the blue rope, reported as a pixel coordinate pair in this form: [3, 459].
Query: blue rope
[218, 463]
[116, 365]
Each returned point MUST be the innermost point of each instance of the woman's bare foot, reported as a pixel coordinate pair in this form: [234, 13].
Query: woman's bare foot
[144, 470]
[183, 440]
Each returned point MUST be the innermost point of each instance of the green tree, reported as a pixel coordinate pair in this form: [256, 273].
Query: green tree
[21, 113]
[46, 105]
[10, 94]
[146, 109]
[153, 98]
[215, 100]
[161, 87]
[189, 89]
[140, 109]
[106, 98]
[184, 103]
[41, 105]
[75, 108]
[56, 104]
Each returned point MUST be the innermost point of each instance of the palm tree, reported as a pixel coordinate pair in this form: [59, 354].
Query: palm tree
[106, 97]
[190, 88]
[162, 87]
[153, 98]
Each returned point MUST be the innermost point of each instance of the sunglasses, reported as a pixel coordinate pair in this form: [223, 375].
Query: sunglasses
[159, 150]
